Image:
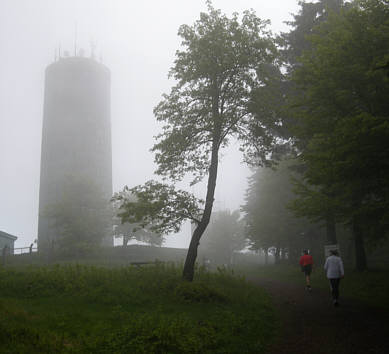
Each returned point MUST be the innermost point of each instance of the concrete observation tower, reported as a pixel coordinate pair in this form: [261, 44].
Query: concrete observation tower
[76, 136]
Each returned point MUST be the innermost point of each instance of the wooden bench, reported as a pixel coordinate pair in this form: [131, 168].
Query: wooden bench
[139, 264]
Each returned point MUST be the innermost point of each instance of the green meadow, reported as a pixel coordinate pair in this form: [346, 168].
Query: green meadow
[150, 309]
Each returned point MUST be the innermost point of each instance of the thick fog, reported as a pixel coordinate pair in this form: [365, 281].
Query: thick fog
[137, 42]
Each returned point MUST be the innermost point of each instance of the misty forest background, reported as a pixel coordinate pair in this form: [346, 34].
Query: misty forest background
[309, 109]
[309, 106]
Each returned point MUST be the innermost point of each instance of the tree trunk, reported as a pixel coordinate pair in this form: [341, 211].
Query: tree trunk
[316, 247]
[191, 256]
[266, 251]
[277, 255]
[293, 252]
[231, 257]
[360, 254]
[331, 229]
[283, 254]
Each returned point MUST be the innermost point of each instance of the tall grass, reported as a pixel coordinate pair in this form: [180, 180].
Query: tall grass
[85, 309]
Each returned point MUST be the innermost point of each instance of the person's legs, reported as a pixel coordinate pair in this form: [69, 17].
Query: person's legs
[335, 290]
[307, 271]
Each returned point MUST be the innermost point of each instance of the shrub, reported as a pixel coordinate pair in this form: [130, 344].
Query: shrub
[198, 292]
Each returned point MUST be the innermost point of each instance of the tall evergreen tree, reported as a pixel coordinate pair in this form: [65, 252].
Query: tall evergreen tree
[343, 113]
[224, 235]
[304, 25]
[269, 221]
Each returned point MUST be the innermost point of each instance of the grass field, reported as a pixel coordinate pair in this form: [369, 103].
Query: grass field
[370, 287]
[85, 309]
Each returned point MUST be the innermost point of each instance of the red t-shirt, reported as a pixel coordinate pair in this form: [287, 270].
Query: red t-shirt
[306, 259]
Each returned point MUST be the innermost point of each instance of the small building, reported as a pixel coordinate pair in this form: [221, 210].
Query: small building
[7, 240]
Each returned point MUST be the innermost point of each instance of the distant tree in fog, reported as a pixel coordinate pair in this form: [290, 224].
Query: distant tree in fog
[224, 235]
[125, 226]
[223, 61]
[130, 232]
[269, 222]
[82, 218]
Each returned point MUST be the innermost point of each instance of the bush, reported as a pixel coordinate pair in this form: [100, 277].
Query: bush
[198, 292]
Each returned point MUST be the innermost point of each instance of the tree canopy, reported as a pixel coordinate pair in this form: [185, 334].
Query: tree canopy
[222, 61]
[342, 111]
[327, 99]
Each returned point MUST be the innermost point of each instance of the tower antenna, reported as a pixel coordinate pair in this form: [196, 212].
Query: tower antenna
[75, 38]
[93, 47]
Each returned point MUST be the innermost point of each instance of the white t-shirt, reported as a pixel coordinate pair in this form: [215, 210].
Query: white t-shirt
[334, 267]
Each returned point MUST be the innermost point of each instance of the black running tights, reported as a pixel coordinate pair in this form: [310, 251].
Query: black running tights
[335, 288]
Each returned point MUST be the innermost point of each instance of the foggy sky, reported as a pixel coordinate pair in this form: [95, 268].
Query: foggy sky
[137, 40]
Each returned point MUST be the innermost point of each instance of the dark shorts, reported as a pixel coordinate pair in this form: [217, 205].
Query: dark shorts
[307, 269]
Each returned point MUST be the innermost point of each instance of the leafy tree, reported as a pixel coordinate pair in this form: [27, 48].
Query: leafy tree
[157, 206]
[343, 115]
[224, 235]
[217, 70]
[132, 232]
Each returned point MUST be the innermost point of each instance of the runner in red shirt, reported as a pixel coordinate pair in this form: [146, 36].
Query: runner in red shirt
[306, 263]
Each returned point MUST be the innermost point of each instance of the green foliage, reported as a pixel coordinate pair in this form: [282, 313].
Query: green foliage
[219, 67]
[83, 309]
[348, 158]
[130, 230]
[133, 232]
[340, 109]
[221, 64]
[304, 24]
[157, 206]
[153, 334]
[198, 292]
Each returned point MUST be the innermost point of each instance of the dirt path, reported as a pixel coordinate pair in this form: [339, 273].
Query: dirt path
[310, 324]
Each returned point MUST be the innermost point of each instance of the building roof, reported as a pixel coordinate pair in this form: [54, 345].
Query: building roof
[5, 235]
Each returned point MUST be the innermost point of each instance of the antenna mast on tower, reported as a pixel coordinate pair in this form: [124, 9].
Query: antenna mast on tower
[75, 39]
[93, 47]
